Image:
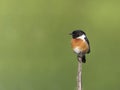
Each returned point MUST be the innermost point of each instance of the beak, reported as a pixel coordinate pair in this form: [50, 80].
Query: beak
[70, 33]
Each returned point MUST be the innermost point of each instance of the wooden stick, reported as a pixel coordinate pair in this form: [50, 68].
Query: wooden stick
[79, 77]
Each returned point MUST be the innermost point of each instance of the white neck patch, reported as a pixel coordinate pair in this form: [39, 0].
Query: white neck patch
[82, 37]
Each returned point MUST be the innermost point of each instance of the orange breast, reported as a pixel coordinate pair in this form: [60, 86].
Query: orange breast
[82, 45]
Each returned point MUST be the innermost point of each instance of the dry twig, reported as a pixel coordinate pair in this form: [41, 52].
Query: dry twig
[79, 77]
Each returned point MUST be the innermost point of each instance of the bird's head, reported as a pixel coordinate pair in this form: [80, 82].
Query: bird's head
[77, 33]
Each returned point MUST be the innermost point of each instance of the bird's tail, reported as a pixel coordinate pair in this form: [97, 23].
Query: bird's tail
[81, 58]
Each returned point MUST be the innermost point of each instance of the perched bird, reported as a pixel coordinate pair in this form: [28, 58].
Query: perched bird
[80, 44]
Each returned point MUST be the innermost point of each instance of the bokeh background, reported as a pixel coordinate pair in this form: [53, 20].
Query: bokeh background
[35, 51]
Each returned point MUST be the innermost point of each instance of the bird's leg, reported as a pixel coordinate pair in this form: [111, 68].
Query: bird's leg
[79, 56]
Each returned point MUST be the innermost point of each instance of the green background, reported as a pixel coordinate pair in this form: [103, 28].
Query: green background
[35, 51]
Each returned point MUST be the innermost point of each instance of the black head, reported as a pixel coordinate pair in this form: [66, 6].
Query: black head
[77, 33]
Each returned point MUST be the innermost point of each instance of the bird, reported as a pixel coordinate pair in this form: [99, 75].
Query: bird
[80, 44]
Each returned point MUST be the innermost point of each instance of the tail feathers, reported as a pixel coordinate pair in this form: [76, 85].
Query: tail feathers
[82, 59]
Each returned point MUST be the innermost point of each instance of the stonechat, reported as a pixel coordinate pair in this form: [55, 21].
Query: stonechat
[80, 44]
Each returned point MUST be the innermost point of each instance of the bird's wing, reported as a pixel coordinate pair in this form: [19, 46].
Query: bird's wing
[88, 44]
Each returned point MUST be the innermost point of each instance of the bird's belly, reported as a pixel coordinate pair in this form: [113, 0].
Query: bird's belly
[77, 50]
[79, 46]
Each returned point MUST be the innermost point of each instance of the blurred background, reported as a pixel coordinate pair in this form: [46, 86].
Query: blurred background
[35, 51]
